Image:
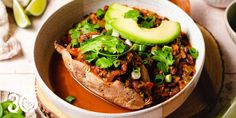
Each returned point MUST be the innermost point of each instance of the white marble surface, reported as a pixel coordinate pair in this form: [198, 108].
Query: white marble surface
[211, 18]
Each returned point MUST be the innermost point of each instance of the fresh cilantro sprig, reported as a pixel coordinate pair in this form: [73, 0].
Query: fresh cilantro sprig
[134, 14]
[83, 27]
[145, 22]
[75, 34]
[87, 27]
[100, 13]
[148, 22]
[104, 50]
[164, 58]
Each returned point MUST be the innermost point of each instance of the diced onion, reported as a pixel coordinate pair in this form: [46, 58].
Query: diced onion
[114, 33]
[128, 42]
[136, 73]
[93, 36]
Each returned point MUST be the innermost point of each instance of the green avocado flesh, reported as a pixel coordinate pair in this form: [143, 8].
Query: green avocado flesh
[129, 28]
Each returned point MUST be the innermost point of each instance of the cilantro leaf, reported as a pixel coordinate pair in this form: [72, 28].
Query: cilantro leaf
[75, 34]
[116, 63]
[148, 22]
[162, 66]
[91, 56]
[87, 27]
[103, 50]
[164, 55]
[193, 52]
[134, 14]
[104, 62]
[100, 13]
[164, 58]
[108, 44]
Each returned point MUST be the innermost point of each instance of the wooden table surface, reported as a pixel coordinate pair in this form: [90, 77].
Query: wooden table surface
[210, 17]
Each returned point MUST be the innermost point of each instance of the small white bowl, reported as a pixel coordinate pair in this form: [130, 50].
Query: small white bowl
[230, 20]
[57, 24]
[219, 3]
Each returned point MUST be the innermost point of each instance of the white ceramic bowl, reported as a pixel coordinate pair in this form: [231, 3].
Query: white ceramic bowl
[219, 3]
[55, 27]
[230, 20]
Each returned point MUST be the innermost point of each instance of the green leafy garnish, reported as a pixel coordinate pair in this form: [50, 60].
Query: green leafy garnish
[162, 66]
[75, 34]
[91, 56]
[159, 78]
[87, 27]
[84, 27]
[165, 58]
[116, 63]
[104, 62]
[193, 52]
[148, 22]
[103, 50]
[100, 13]
[146, 62]
[70, 99]
[134, 14]
[104, 44]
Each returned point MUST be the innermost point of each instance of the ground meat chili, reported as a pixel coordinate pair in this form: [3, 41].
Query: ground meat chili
[160, 84]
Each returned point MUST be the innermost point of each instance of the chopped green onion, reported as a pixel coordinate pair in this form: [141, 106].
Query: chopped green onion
[136, 73]
[140, 48]
[193, 52]
[168, 78]
[70, 99]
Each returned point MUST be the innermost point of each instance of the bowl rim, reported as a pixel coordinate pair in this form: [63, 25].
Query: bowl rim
[44, 87]
[229, 28]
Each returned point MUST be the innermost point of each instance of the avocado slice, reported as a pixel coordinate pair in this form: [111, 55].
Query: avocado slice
[129, 28]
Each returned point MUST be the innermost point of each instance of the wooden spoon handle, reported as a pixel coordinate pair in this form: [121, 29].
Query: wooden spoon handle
[183, 4]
